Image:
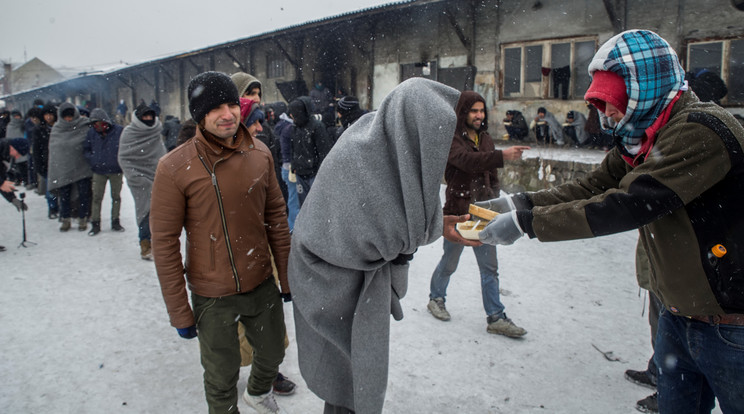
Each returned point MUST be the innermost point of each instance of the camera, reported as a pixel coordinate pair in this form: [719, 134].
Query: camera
[22, 195]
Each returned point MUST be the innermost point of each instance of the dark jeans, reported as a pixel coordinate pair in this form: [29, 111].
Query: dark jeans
[65, 195]
[144, 228]
[262, 315]
[699, 362]
[654, 308]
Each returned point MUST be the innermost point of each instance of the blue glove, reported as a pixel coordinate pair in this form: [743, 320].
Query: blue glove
[503, 229]
[503, 204]
[187, 333]
[286, 297]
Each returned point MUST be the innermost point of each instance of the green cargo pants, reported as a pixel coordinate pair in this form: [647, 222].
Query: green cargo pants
[261, 313]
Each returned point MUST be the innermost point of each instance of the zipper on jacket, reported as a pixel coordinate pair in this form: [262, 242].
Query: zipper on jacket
[222, 217]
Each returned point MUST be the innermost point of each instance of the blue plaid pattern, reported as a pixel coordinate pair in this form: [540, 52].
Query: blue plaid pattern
[653, 76]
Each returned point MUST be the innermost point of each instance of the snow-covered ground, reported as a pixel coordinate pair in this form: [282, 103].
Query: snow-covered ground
[83, 329]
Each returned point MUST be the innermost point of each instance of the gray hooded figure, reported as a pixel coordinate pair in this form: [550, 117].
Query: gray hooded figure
[375, 200]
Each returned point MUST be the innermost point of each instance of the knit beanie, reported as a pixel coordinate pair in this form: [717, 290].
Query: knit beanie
[609, 87]
[348, 104]
[250, 112]
[20, 144]
[244, 81]
[142, 110]
[209, 90]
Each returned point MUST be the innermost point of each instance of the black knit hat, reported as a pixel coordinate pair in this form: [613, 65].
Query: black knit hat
[209, 90]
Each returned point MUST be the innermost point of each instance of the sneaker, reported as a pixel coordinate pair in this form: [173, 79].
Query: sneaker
[504, 326]
[283, 386]
[95, 228]
[437, 309]
[263, 404]
[649, 404]
[53, 215]
[640, 378]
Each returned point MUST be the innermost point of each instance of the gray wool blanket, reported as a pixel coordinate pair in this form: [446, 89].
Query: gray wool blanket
[375, 197]
[140, 149]
[67, 164]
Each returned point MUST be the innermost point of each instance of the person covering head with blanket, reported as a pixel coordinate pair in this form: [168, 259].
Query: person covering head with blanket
[140, 149]
[374, 202]
[67, 164]
[677, 175]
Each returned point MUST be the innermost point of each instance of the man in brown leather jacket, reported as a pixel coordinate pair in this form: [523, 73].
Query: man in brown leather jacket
[220, 188]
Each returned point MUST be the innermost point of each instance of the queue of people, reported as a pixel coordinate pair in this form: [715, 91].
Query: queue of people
[676, 174]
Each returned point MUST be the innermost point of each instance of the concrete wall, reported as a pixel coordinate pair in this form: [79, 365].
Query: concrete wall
[533, 174]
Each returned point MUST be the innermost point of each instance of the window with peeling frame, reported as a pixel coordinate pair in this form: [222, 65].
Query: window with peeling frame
[547, 69]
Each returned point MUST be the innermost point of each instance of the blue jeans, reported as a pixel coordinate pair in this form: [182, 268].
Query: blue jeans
[293, 203]
[489, 273]
[699, 362]
[303, 187]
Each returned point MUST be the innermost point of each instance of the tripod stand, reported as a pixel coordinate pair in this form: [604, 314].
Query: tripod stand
[25, 242]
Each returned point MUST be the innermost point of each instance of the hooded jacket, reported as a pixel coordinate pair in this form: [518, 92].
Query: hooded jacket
[310, 141]
[228, 201]
[471, 168]
[101, 150]
[685, 195]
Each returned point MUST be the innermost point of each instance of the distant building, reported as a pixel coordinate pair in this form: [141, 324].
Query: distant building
[518, 54]
[30, 75]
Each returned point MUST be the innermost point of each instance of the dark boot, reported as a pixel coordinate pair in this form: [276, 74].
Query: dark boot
[95, 228]
[115, 226]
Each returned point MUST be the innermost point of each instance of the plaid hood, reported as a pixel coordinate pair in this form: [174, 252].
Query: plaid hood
[653, 77]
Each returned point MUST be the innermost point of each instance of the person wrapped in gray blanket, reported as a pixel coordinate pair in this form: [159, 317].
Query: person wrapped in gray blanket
[374, 202]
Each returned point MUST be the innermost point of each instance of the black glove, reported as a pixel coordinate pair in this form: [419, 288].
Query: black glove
[19, 204]
[402, 259]
[286, 297]
[187, 333]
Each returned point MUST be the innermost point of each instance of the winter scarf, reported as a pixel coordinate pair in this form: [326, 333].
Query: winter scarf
[140, 149]
[67, 164]
[375, 197]
[653, 77]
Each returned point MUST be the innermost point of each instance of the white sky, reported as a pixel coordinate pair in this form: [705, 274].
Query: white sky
[77, 33]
